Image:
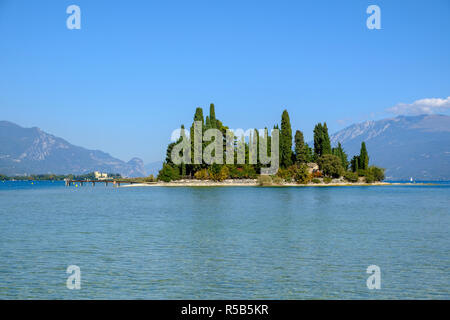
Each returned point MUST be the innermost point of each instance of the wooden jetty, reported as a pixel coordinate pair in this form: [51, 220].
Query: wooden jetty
[115, 182]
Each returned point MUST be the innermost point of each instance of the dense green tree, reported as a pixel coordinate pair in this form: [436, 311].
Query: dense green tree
[168, 173]
[212, 116]
[301, 151]
[340, 153]
[198, 116]
[301, 173]
[326, 146]
[318, 139]
[363, 157]
[290, 162]
[285, 140]
[169, 153]
[376, 173]
[351, 176]
[330, 165]
[309, 153]
[322, 143]
[354, 163]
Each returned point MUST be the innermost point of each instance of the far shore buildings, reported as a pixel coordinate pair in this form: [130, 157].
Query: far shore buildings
[100, 176]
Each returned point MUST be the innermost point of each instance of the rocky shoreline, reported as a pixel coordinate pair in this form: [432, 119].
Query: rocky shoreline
[254, 183]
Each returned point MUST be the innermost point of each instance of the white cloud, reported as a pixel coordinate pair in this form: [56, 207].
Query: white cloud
[422, 106]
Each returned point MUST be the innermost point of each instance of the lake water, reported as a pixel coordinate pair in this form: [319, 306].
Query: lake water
[223, 242]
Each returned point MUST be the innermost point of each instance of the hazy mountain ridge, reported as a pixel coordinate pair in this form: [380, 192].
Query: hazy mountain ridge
[33, 151]
[407, 146]
[153, 167]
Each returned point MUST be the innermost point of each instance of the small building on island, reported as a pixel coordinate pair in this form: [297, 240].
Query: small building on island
[100, 176]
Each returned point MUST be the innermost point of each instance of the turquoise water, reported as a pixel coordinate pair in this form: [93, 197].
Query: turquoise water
[223, 242]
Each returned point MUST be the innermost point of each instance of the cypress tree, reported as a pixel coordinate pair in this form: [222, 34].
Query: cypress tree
[285, 140]
[300, 150]
[363, 157]
[340, 153]
[256, 137]
[212, 115]
[198, 116]
[355, 163]
[322, 143]
[318, 139]
[309, 153]
[326, 144]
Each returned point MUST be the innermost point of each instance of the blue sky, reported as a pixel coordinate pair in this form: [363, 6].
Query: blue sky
[138, 69]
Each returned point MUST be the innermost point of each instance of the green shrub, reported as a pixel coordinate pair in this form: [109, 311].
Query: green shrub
[242, 172]
[330, 165]
[315, 180]
[277, 180]
[327, 180]
[372, 174]
[377, 173]
[351, 176]
[369, 178]
[285, 174]
[168, 173]
[201, 174]
[264, 180]
[218, 172]
[298, 173]
[301, 174]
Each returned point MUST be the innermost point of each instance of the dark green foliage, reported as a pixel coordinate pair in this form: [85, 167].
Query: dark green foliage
[315, 180]
[326, 147]
[322, 143]
[309, 153]
[332, 162]
[376, 172]
[318, 139]
[168, 173]
[169, 153]
[212, 116]
[301, 174]
[340, 153]
[301, 149]
[351, 176]
[214, 171]
[297, 172]
[285, 174]
[198, 116]
[244, 171]
[330, 165]
[369, 177]
[363, 157]
[285, 141]
[354, 163]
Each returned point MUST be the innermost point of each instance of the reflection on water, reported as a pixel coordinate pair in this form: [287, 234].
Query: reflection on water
[231, 242]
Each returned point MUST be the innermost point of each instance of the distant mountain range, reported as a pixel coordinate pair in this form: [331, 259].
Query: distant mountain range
[407, 146]
[153, 167]
[33, 151]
